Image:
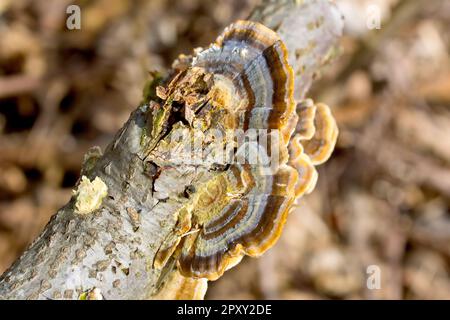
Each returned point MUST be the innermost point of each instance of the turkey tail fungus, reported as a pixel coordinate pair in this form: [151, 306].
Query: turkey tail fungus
[243, 82]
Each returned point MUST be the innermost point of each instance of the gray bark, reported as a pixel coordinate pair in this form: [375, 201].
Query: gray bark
[113, 248]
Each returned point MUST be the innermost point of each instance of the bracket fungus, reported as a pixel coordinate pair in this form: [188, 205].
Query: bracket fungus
[242, 82]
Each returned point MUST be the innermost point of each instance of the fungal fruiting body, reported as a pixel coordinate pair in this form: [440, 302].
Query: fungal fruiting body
[241, 83]
[178, 287]
[89, 195]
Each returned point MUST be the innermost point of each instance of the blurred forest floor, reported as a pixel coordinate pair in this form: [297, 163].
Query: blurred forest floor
[383, 199]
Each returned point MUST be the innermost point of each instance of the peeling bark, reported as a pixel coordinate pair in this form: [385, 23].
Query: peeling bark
[113, 247]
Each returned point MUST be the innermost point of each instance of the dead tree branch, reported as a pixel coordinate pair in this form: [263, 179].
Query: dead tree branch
[113, 247]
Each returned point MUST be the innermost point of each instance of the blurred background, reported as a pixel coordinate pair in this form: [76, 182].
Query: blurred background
[382, 201]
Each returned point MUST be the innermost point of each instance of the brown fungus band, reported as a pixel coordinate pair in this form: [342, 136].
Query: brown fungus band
[242, 81]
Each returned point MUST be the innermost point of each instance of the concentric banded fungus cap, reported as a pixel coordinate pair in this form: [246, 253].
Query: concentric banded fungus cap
[243, 82]
[321, 145]
[243, 210]
[253, 60]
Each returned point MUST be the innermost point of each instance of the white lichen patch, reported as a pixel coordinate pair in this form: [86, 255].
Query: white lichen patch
[89, 195]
